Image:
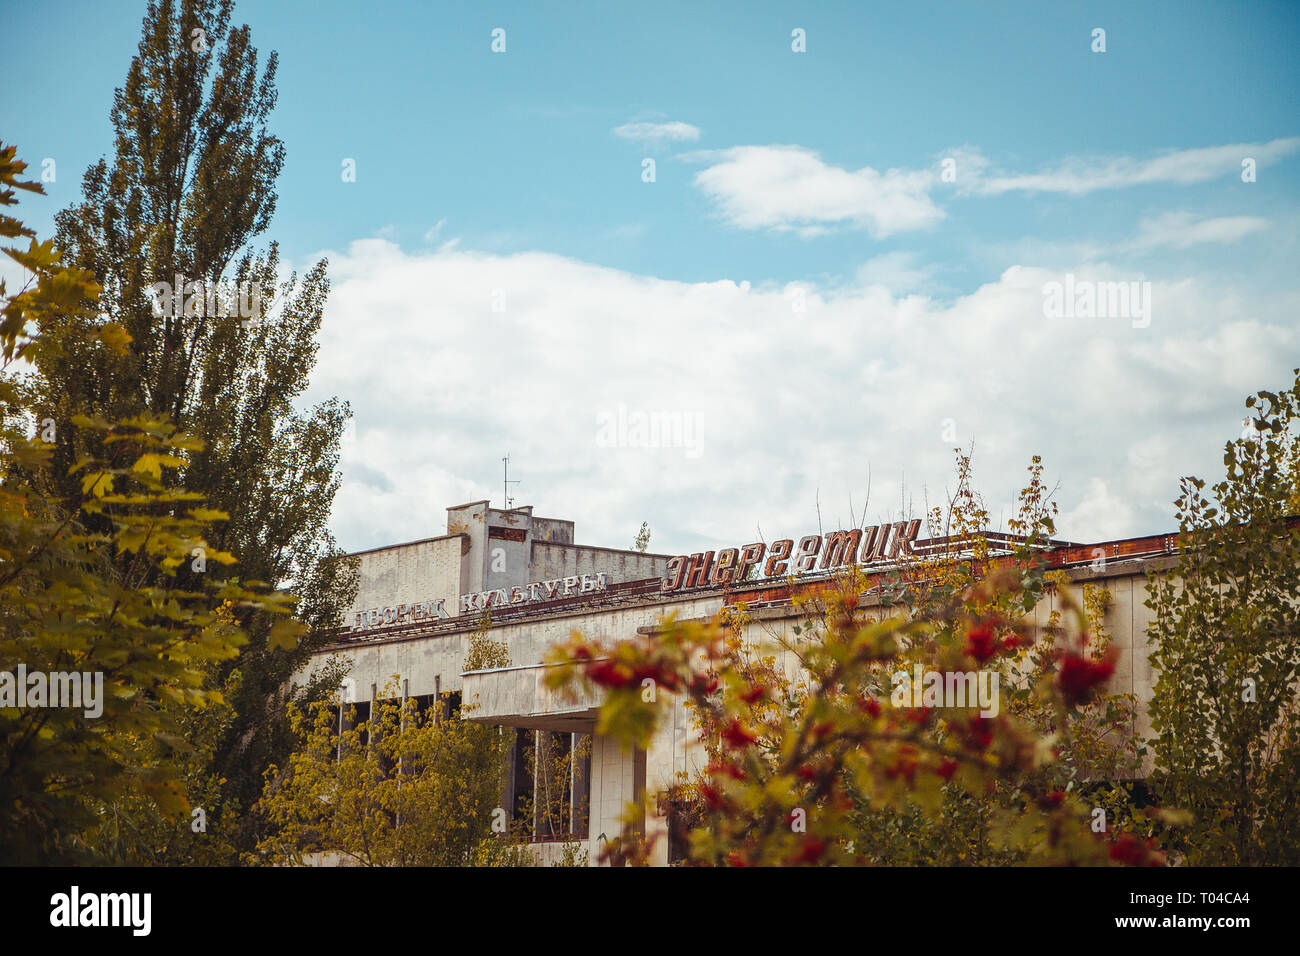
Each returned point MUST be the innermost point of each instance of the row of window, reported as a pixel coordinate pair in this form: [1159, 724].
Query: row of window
[547, 778]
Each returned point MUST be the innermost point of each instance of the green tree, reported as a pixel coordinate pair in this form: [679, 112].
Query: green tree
[399, 788]
[1226, 648]
[189, 188]
[94, 588]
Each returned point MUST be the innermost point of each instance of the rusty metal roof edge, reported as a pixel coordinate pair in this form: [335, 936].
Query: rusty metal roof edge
[625, 592]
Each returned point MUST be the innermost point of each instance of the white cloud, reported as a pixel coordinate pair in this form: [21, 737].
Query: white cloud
[790, 188]
[657, 135]
[1170, 230]
[435, 231]
[1079, 175]
[1105, 514]
[967, 164]
[792, 408]
[1178, 230]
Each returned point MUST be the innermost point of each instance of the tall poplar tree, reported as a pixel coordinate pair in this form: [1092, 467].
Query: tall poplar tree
[186, 194]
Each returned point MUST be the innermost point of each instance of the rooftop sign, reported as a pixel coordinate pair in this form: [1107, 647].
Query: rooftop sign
[839, 549]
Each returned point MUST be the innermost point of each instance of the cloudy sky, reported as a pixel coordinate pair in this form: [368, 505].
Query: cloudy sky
[804, 275]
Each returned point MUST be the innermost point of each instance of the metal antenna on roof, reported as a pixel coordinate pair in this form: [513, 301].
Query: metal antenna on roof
[506, 482]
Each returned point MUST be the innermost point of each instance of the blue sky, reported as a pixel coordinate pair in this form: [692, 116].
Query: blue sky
[815, 171]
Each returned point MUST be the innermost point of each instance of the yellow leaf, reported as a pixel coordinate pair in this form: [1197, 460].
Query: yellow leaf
[97, 483]
[285, 632]
[115, 337]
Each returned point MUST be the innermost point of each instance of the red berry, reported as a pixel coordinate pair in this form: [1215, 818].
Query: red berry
[723, 767]
[981, 643]
[712, 796]
[1079, 676]
[737, 736]
[980, 732]
[813, 848]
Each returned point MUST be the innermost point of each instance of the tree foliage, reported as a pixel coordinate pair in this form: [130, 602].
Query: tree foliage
[189, 188]
[1226, 647]
[399, 788]
[93, 586]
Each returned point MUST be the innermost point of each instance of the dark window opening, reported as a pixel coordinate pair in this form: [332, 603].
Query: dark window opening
[548, 784]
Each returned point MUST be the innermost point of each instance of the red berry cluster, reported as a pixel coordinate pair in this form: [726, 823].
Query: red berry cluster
[712, 797]
[725, 768]
[618, 675]
[919, 715]
[905, 765]
[812, 850]
[982, 643]
[1080, 676]
[870, 706]
[1132, 851]
[737, 735]
[1052, 799]
[978, 732]
[703, 684]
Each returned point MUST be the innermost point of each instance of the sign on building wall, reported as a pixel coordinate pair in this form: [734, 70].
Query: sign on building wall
[814, 552]
[517, 596]
[401, 614]
[533, 593]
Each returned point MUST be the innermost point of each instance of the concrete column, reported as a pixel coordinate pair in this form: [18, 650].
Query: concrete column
[617, 778]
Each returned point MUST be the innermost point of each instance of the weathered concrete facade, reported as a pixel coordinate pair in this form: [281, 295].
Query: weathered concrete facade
[427, 655]
[486, 551]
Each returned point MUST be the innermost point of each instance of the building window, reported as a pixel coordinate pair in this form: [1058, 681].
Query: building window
[451, 705]
[548, 784]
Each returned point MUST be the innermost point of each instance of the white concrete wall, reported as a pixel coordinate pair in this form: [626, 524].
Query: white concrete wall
[552, 560]
[405, 573]
[443, 653]
[471, 519]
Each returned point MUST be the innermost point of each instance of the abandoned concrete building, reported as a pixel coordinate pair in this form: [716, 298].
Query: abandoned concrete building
[419, 602]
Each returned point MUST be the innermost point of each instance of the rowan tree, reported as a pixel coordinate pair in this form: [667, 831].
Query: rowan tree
[811, 761]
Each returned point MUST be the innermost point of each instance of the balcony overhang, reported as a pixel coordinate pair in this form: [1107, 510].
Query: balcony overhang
[519, 697]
